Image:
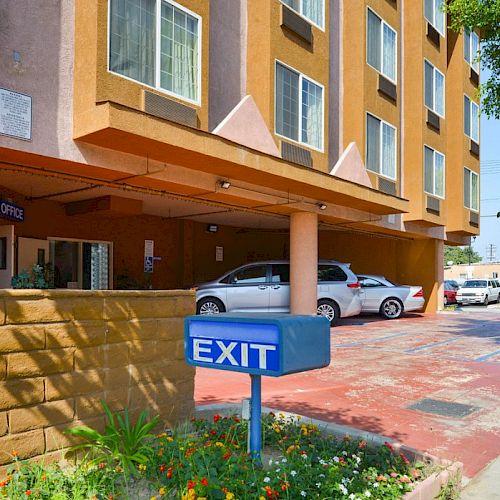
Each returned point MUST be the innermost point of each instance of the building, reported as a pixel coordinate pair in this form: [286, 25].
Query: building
[477, 270]
[158, 143]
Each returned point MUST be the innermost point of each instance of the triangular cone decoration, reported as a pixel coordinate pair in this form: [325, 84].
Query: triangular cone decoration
[245, 125]
[351, 168]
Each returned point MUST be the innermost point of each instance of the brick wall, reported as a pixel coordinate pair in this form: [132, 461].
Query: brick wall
[62, 351]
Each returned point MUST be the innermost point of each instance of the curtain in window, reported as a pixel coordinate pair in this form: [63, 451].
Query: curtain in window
[474, 121]
[475, 191]
[438, 174]
[313, 10]
[439, 93]
[389, 53]
[428, 170]
[132, 39]
[287, 102]
[467, 183]
[428, 85]
[467, 116]
[388, 151]
[373, 42]
[312, 114]
[372, 143]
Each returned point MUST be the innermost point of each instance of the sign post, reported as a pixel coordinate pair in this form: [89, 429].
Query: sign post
[272, 345]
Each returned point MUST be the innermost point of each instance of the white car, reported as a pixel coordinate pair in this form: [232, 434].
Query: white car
[481, 291]
[379, 295]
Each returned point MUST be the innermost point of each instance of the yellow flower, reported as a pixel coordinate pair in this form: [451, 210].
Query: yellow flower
[205, 435]
[162, 435]
[202, 498]
[262, 498]
[142, 467]
[162, 491]
[229, 496]
[170, 439]
[153, 498]
[219, 444]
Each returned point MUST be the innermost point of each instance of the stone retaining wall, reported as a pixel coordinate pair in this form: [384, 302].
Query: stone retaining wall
[62, 351]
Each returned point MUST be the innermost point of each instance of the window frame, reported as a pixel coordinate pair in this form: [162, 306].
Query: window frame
[474, 65]
[381, 48]
[433, 21]
[434, 151]
[471, 173]
[301, 77]
[469, 135]
[157, 76]
[434, 68]
[310, 21]
[379, 173]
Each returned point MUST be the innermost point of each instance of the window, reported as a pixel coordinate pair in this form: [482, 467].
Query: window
[313, 10]
[369, 282]
[471, 119]
[434, 13]
[157, 43]
[471, 49]
[433, 89]
[381, 48]
[433, 172]
[299, 107]
[250, 275]
[280, 273]
[331, 273]
[380, 147]
[3, 253]
[471, 189]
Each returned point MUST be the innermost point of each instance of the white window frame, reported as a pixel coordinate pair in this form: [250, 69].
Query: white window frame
[381, 48]
[434, 70]
[301, 77]
[310, 21]
[434, 151]
[472, 58]
[382, 122]
[471, 104]
[435, 12]
[471, 173]
[157, 86]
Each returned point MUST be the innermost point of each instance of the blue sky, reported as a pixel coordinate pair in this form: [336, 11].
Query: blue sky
[489, 185]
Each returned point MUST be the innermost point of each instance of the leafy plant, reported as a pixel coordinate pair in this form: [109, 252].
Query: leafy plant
[122, 442]
[37, 278]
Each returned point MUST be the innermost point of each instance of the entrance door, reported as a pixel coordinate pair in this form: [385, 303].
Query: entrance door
[6, 255]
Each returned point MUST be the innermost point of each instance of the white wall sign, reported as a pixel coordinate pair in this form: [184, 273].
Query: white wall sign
[15, 114]
[219, 254]
[149, 246]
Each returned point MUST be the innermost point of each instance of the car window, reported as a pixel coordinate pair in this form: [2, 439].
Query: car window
[369, 282]
[331, 273]
[475, 284]
[249, 275]
[280, 273]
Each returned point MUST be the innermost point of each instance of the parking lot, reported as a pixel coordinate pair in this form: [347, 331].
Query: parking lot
[429, 381]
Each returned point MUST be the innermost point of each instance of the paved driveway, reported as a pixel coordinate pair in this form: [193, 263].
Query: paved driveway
[380, 373]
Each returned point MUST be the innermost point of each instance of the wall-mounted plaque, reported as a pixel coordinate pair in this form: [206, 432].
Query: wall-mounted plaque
[15, 114]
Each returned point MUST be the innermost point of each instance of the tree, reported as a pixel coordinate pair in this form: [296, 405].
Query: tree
[483, 15]
[460, 255]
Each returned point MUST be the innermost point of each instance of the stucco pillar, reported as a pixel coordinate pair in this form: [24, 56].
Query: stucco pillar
[440, 274]
[303, 263]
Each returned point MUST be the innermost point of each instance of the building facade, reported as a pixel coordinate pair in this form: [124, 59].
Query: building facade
[159, 143]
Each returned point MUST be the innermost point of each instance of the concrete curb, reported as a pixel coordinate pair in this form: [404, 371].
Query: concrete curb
[426, 490]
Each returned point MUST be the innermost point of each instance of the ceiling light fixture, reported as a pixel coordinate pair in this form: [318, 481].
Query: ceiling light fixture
[224, 184]
[321, 206]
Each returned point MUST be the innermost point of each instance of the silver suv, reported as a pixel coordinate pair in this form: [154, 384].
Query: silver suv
[263, 287]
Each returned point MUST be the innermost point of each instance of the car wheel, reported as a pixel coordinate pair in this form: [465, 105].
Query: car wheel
[391, 308]
[486, 301]
[329, 310]
[210, 305]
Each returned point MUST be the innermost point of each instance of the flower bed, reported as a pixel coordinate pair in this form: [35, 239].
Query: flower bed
[208, 459]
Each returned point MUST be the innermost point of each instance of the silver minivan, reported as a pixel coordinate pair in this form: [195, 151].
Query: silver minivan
[264, 287]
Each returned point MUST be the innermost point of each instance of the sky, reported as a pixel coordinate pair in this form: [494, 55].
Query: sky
[489, 186]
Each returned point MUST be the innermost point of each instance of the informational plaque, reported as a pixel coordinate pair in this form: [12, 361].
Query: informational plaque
[15, 114]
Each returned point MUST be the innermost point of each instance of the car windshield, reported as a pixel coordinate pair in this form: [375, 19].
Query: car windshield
[475, 284]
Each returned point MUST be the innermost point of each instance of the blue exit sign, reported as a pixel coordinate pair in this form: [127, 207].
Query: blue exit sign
[271, 345]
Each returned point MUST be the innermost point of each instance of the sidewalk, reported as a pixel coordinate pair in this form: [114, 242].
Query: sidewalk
[486, 485]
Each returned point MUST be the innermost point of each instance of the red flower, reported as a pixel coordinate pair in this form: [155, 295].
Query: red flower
[204, 481]
[169, 472]
[162, 468]
[28, 493]
[362, 445]
[213, 432]
[216, 418]
[191, 484]
[405, 460]
[226, 455]
[389, 446]
[102, 465]
[342, 460]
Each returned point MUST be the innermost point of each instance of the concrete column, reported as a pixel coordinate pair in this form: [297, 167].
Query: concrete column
[440, 274]
[303, 263]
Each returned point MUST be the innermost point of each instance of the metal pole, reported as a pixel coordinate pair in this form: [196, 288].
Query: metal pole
[255, 415]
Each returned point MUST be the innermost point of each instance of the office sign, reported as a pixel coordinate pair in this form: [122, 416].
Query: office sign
[272, 345]
[15, 114]
[11, 211]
